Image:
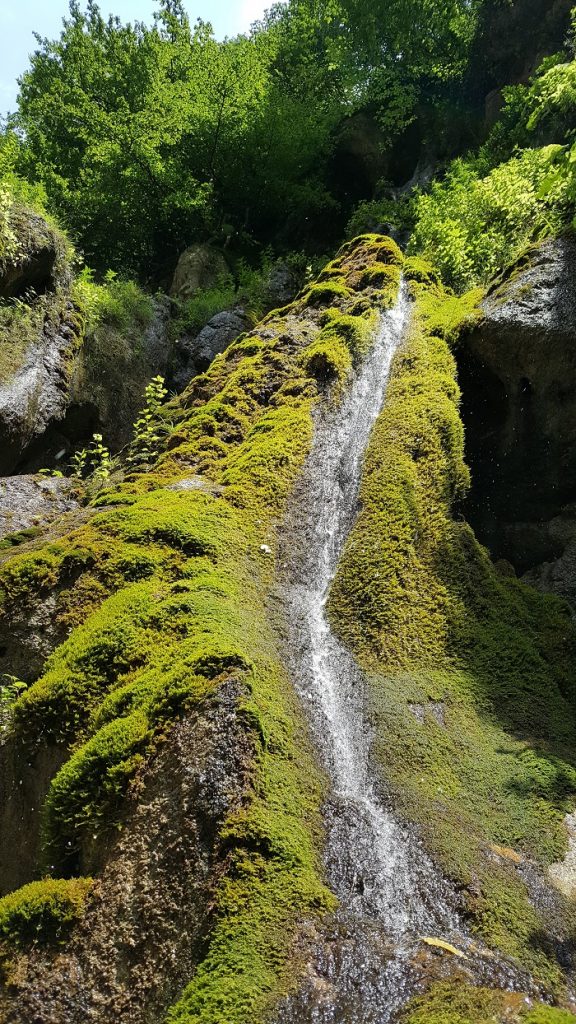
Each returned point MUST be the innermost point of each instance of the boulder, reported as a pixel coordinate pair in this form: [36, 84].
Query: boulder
[518, 375]
[196, 354]
[199, 267]
[282, 285]
[39, 260]
[34, 390]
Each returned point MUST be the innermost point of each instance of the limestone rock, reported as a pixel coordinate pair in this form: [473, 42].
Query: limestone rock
[36, 394]
[199, 267]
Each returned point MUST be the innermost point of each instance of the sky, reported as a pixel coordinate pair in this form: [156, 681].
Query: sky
[20, 18]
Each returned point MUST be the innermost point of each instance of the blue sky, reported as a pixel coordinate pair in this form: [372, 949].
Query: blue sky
[20, 18]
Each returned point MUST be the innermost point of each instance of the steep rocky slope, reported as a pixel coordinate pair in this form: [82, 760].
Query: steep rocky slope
[61, 376]
[159, 782]
[517, 373]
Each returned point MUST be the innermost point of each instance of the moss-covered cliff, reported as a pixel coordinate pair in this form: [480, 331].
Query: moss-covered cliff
[159, 606]
[471, 672]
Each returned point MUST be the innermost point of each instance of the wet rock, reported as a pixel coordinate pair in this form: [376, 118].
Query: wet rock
[517, 371]
[196, 354]
[30, 501]
[37, 394]
[200, 266]
[563, 874]
[282, 285]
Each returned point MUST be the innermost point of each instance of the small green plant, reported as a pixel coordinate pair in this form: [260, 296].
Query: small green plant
[10, 690]
[149, 428]
[94, 462]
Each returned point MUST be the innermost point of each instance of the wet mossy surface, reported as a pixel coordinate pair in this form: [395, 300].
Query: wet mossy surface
[164, 591]
[459, 1003]
[41, 911]
[471, 673]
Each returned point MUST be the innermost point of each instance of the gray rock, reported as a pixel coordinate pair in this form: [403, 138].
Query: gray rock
[200, 266]
[517, 370]
[197, 353]
[196, 483]
[37, 394]
[40, 264]
[27, 501]
[282, 285]
[111, 373]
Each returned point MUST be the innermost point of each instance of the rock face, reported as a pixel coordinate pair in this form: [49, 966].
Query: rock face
[110, 375]
[37, 394]
[39, 262]
[282, 285]
[150, 906]
[518, 375]
[27, 501]
[199, 267]
[196, 354]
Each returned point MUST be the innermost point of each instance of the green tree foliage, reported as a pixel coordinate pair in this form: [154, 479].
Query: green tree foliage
[519, 188]
[147, 138]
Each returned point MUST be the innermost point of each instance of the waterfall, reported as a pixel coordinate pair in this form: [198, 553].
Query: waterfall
[389, 890]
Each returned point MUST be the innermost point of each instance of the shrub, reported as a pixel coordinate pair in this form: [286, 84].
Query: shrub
[469, 226]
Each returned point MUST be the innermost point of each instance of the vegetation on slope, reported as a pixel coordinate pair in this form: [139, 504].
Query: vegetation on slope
[165, 591]
[472, 672]
[517, 189]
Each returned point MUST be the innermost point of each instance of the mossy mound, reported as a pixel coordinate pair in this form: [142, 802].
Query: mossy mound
[450, 1003]
[472, 673]
[42, 911]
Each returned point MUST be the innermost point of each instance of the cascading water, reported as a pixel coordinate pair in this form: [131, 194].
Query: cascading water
[390, 892]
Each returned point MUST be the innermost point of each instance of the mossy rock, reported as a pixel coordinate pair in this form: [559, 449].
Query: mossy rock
[460, 1003]
[42, 912]
[433, 622]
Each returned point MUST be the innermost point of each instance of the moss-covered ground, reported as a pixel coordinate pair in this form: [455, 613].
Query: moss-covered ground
[458, 1003]
[472, 673]
[164, 592]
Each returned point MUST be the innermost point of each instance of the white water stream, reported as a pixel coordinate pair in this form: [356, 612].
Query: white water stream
[388, 888]
[370, 855]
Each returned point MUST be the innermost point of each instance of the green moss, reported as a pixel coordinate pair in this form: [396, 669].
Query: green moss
[328, 359]
[13, 540]
[378, 275]
[445, 314]
[420, 270]
[42, 912]
[171, 589]
[375, 248]
[90, 786]
[460, 1003]
[435, 625]
[327, 293]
